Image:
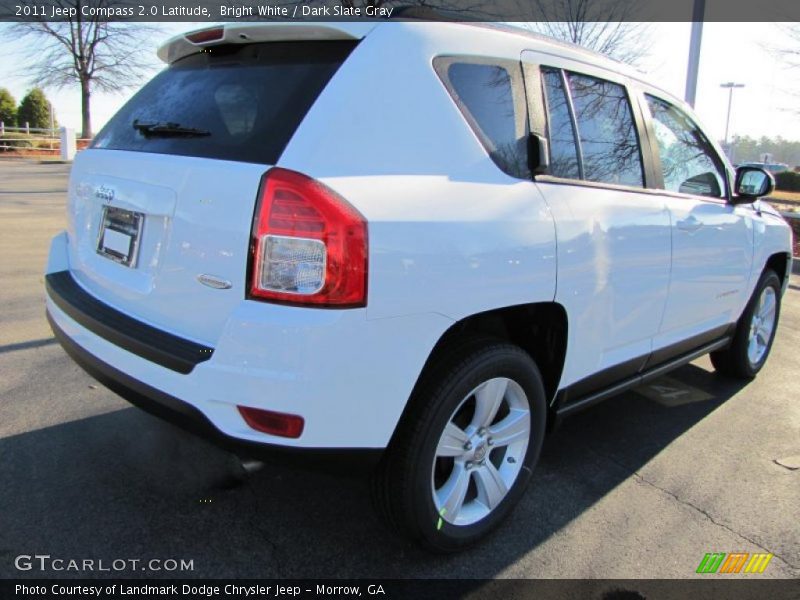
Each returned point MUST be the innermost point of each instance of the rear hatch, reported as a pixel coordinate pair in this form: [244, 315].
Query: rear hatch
[161, 205]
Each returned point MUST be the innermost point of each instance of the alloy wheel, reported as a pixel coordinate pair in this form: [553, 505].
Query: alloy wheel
[762, 325]
[481, 451]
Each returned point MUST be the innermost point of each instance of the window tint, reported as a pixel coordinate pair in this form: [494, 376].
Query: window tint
[563, 150]
[490, 98]
[608, 138]
[688, 161]
[249, 98]
[238, 106]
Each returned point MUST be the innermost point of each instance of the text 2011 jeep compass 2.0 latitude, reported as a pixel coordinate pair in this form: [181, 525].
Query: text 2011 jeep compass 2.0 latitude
[418, 242]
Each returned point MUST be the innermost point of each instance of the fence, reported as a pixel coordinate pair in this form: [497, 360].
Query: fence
[35, 141]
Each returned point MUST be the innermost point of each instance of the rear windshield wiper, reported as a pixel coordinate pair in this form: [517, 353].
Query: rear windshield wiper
[160, 128]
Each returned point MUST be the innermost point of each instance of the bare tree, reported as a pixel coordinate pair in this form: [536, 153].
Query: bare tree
[86, 50]
[787, 52]
[604, 26]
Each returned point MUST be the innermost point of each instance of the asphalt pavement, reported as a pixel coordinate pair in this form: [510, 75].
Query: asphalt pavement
[642, 486]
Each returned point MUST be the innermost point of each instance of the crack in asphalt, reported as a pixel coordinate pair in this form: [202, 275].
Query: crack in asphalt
[706, 514]
[702, 511]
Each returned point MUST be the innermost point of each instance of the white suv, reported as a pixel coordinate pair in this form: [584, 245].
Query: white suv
[420, 244]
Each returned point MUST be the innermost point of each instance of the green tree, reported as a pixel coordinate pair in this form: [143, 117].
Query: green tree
[8, 108]
[34, 109]
[781, 150]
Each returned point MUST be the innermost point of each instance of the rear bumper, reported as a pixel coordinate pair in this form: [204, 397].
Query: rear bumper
[155, 345]
[189, 418]
[349, 377]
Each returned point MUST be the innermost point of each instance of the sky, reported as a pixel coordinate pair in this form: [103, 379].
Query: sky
[736, 52]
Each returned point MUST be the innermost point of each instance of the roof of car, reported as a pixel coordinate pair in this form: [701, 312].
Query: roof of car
[573, 50]
[272, 31]
[264, 31]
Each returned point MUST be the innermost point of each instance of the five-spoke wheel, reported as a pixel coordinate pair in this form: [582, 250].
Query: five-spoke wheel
[762, 324]
[466, 447]
[755, 331]
[481, 451]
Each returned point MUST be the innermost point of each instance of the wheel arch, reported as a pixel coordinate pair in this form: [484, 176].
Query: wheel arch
[540, 329]
[779, 262]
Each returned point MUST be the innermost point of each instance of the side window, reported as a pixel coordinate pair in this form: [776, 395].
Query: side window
[563, 149]
[688, 161]
[491, 98]
[607, 132]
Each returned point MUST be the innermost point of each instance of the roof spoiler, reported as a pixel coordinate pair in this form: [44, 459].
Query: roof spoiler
[247, 33]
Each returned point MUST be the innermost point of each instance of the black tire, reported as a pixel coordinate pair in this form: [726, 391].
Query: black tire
[402, 484]
[734, 361]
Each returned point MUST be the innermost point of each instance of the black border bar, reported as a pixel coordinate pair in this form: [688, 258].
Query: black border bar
[398, 10]
[729, 588]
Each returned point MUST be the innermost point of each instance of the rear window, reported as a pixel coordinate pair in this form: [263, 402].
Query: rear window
[244, 101]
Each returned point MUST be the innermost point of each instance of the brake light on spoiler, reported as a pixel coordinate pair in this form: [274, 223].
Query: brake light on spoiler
[206, 35]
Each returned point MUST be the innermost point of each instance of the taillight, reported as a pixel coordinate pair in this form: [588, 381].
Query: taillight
[309, 244]
[274, 423]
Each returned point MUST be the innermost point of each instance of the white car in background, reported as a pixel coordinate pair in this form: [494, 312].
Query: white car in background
[416, 243]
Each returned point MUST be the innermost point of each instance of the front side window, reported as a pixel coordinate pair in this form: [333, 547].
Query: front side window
[688, 161]
[607, 131]
[491, 98]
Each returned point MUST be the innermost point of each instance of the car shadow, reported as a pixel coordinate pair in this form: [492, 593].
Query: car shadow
[127, 485]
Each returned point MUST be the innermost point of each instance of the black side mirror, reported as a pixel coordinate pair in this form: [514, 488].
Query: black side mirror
[751, 184]
[538, 154]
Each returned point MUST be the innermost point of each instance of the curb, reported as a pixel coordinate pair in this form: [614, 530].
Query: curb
[33, 159]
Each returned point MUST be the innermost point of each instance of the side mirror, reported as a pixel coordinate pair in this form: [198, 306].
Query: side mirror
[751, 184]
[538, 154]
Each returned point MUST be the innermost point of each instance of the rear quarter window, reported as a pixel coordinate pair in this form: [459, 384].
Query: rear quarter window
[491, 97]
[249, 99]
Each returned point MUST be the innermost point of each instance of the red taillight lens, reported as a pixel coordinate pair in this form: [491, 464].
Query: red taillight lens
[275, 423]
[309, 244]
[206, 35]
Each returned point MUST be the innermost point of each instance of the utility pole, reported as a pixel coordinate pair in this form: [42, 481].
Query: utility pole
[730, 86]
[698, 14]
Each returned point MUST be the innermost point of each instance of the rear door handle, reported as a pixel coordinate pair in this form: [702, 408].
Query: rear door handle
[690, 224]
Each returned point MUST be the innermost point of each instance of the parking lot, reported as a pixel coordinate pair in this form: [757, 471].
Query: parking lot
[642, 486]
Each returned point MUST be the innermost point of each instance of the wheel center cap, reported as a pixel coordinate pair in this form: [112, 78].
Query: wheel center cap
[480, 452]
